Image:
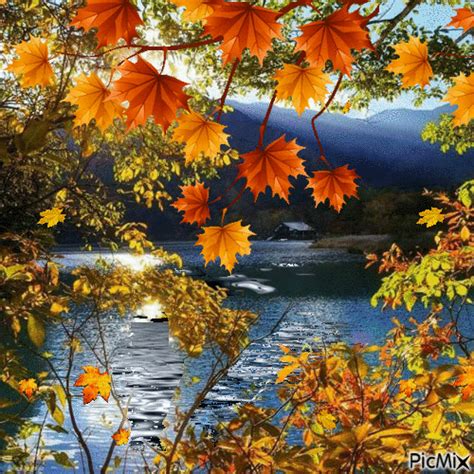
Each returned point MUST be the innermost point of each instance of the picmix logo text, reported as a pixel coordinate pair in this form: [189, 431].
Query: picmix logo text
[433, 462]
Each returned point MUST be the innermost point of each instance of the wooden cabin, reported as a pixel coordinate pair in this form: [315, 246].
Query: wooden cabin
[293, 231]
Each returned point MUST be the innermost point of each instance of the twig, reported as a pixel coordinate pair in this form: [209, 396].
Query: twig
[313, 120]
[226, 90]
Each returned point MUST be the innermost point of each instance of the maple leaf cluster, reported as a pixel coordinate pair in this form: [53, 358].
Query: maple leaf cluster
[140, 92]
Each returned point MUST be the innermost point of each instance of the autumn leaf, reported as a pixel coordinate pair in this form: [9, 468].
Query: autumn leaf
[301, 84]
[334, 185]
[431, 217]
[148, 93]
[114, 19]
[95, 383]
[197, 10]
[285, 371]
[27, 387]
[466, 381]
[200, 135]
[462, 95]
[272, 167]
[32, 65]
[52, 217]
[121, 436]
[412, 63]
[225, 242]
[194, 204]
[242, 25]
[464, 19]
[333, 38]
[92, 98]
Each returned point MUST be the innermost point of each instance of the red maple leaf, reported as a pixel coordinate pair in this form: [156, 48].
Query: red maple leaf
[194, 204]
[334, 185]
[334, 37]
[272, 167]
[114, 19]
[149, 94]
[243, 25]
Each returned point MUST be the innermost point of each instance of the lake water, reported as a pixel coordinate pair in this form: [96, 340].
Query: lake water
[329, 292]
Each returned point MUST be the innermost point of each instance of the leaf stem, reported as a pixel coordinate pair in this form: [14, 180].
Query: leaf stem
[313, 120]
[226, 90]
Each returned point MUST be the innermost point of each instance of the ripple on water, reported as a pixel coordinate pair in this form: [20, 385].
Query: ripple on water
[329, 291]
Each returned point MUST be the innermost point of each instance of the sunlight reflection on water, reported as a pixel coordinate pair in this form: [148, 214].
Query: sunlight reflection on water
[330, 291]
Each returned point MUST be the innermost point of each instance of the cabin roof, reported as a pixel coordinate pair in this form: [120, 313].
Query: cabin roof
[299, 226]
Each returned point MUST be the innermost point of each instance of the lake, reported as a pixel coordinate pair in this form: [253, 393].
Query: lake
[329, 291]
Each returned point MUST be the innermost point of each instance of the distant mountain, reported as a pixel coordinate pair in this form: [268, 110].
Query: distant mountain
[385, 149]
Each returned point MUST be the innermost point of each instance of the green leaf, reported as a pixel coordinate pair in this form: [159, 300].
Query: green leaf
[61, 394]
[63, 460]
[32, 137]
[36, 330]
[56, 412]
[57, 428]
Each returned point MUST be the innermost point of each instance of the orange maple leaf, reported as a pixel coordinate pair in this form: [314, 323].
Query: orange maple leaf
[466, 381]
[243, 25]
[197, 10]
[200, 135]
[333, 185]
[301, 84]
[334, 37]
[148, 93]
[272, 167]
[412, 63]
[464, 19]
[121, 436]
[194, 204]
[114, 19]
[225, 242]
[32, 65]
[462, 95]
[27, 387]
[92, 98]
[95, 383]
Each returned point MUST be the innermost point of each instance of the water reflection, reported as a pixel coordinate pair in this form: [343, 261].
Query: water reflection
[329, 290]
[137, 262]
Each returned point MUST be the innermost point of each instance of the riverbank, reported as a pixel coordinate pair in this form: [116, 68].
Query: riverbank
[374, 243]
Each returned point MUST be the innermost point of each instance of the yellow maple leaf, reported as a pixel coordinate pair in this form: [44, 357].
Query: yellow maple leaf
[431, 217]
[32, 65]
[121, 436]
[200, 135]
[462, 95]
[301, 85]
[225, 242]
[196, 10]
[412, 63]
[51, 217]
[92, 98]
[28, 387]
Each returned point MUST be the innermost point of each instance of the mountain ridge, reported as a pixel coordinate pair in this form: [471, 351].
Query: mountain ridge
[385, 150]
